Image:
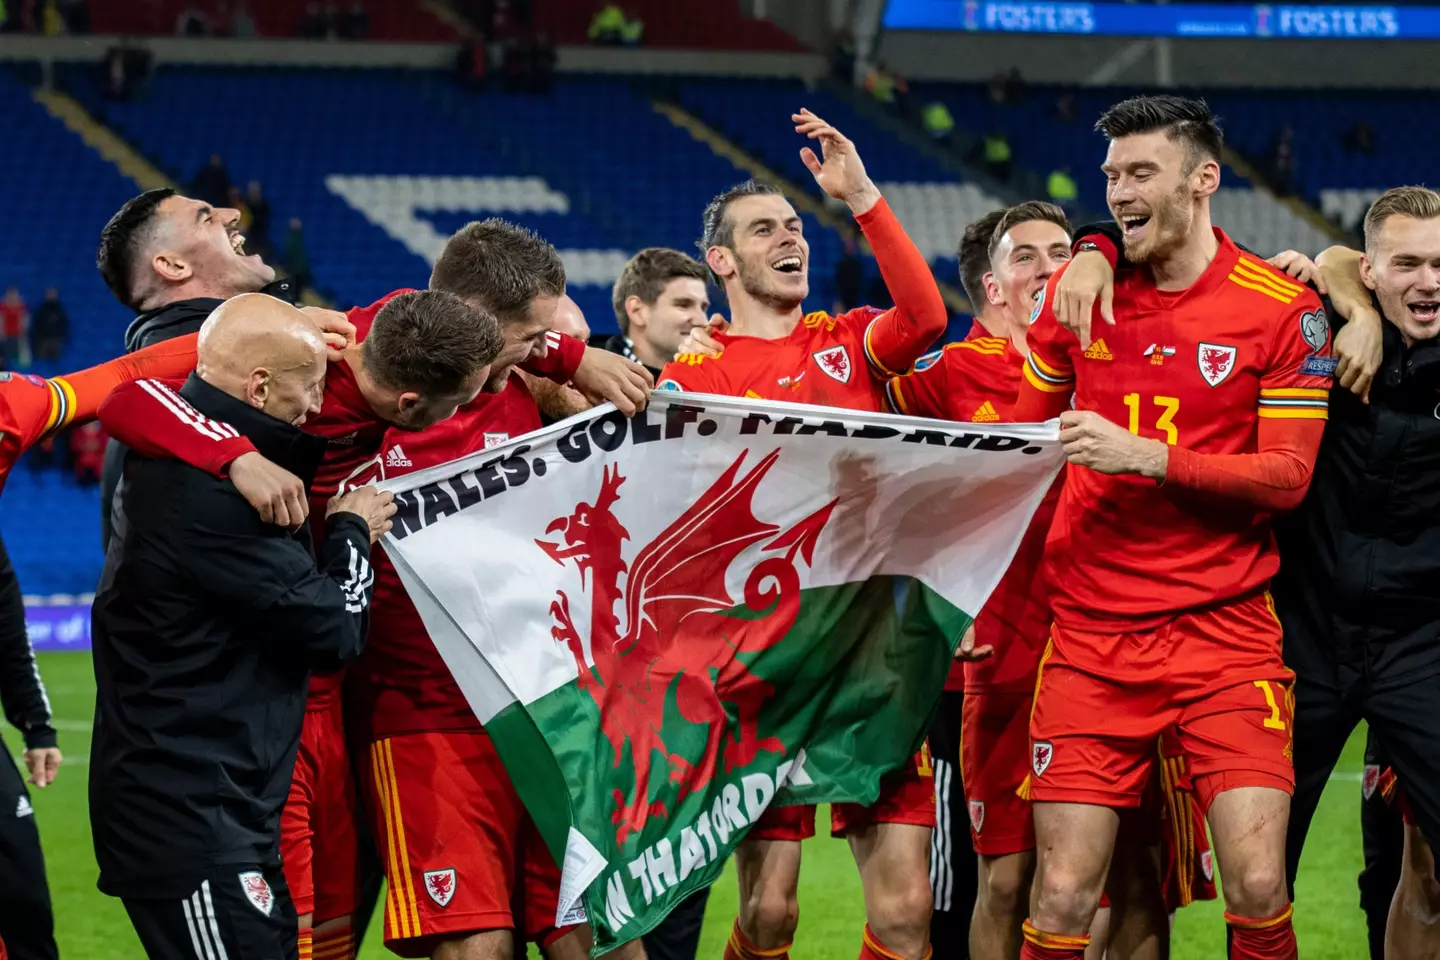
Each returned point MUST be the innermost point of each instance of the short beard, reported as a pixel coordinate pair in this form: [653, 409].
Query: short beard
[753, 283]
[1168, 213]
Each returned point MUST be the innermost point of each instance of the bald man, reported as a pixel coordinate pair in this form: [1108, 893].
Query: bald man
[207, 624]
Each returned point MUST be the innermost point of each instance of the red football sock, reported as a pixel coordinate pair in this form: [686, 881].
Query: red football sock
[334, 944]
[872, 949]
[1271, 938]
[305, 945]
[1039, 945]
[739, 947]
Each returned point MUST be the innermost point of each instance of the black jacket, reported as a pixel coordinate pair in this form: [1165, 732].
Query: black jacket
[21, 692]
[1359, 582]
[206, 625]
[156, 326]
[621, 344]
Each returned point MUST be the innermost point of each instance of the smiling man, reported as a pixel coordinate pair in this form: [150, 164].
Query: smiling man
[1193, 421]
[1356, 590]
[173, 260]
[755, 246]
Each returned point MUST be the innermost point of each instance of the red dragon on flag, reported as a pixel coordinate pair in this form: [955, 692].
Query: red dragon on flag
[676, 635]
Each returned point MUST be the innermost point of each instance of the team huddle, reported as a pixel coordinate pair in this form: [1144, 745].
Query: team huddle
[1122, 688]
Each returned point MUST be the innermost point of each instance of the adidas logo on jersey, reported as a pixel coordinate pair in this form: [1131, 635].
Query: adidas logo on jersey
[23, 808]
[1098, 351]
[395, 457]
[985, 413]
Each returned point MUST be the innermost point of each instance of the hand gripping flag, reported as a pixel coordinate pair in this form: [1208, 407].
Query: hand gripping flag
[669, 622]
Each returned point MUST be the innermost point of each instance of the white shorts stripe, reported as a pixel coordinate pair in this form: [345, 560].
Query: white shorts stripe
[200, 952]
[942, 871]
[210, 919]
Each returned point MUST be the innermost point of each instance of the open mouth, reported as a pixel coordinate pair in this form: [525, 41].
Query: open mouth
[791, 264]
[1133, 223]
[1425, 311]
[237, 243]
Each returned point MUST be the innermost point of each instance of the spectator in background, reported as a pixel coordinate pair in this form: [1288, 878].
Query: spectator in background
[997, 89]
[87, 453]
[356, 23]
[472, 64]
[192, 22]
[939, 124]
[997, 155]
[1061, 187]
[607, 27]
[50, 327]
[15, 330]
[212, 183]
[76, 14]
[52, 22]
[880, 84]
[257, 235]
[1282, 162]
[243, 25]
[1066, 109]
[296, 258]
[842, 58]
[1014, 86]
[542, 65]
[632, 31]
[849, 278]
[312, 24]
[1359, 138]
[234, 201]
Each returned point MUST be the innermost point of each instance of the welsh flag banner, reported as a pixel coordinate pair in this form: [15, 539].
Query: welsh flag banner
[670, 622]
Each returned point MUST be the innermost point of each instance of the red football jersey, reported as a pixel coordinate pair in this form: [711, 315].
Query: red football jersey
[973, 381]
[827, 361]
[977, 381]
[403, 682]
[1197, 368]
[33, 408]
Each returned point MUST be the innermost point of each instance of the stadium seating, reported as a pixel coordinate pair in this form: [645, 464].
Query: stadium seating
[414, 155]
[273, 18]
[56, 194]
[1043, 142]
[714, 25]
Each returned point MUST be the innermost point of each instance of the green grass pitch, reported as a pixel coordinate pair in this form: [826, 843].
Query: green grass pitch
[90, 926]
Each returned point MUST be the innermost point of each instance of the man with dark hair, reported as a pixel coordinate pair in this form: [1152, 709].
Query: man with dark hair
[516, 275]
[173, 260]
[754, 245]
[1006, 257]
[1165, 622]
[160, 248]
[974, 254]
[1355, 591]
[659, 298]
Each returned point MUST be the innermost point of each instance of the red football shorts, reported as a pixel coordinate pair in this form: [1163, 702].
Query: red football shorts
[906, 796]
[994, 761]
[1188, 863]
[1103, 700]
[317, 826]
[461, 854]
